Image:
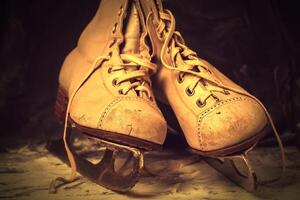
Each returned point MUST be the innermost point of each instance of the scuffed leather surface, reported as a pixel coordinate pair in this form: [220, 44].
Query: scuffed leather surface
[241, 38]
[224, 126]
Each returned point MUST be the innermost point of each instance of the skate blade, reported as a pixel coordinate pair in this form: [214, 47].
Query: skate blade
[104, 172]
[236, 168]
[239, 169]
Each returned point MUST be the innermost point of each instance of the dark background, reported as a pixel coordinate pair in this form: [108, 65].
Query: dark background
[254, 42]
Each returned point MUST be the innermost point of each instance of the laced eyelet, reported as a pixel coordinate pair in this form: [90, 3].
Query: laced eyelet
[180, 78]
[200, 104]
[226, 92]
[189, 92]
[109, 70]
[114, 82]
[113, 41]
[121, 92]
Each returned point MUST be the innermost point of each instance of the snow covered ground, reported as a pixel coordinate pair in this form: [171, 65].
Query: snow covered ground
[26, 173]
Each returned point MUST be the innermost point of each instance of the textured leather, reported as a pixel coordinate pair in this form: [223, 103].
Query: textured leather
[212, 110]
[117, 94]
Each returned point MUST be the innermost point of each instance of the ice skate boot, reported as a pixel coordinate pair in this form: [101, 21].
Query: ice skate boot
[105, 94]
[219, 119]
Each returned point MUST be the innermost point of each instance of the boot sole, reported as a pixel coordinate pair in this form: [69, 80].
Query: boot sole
[60, 112]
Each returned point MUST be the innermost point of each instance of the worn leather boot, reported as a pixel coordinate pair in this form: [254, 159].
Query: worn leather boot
[217, 116]
[104, 83]
[106, 79]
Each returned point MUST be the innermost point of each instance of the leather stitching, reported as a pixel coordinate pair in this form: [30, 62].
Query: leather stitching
[114, 102]
[212, 108]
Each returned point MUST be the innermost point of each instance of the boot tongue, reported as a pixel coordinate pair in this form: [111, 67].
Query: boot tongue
[132, 33]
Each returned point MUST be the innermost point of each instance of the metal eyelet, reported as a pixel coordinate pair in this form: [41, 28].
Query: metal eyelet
[114, 82]
[120, 11]
[189, 92]
[114, 28]
[151, 98]
[200, 104]
[180, 78]
[121, 92]
[109, 70]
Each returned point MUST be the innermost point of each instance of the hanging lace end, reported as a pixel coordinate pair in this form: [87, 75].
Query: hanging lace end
[59, 182]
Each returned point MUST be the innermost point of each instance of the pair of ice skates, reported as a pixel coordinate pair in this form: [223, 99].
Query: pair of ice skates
[105, 91]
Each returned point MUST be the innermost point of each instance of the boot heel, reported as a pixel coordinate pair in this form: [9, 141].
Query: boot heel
[61, 105]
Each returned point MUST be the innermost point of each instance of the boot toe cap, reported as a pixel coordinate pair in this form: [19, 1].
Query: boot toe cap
[135, 118]
[230, 123]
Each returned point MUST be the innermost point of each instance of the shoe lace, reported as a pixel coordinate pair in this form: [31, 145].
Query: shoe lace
[186, 61]
[138, 71]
